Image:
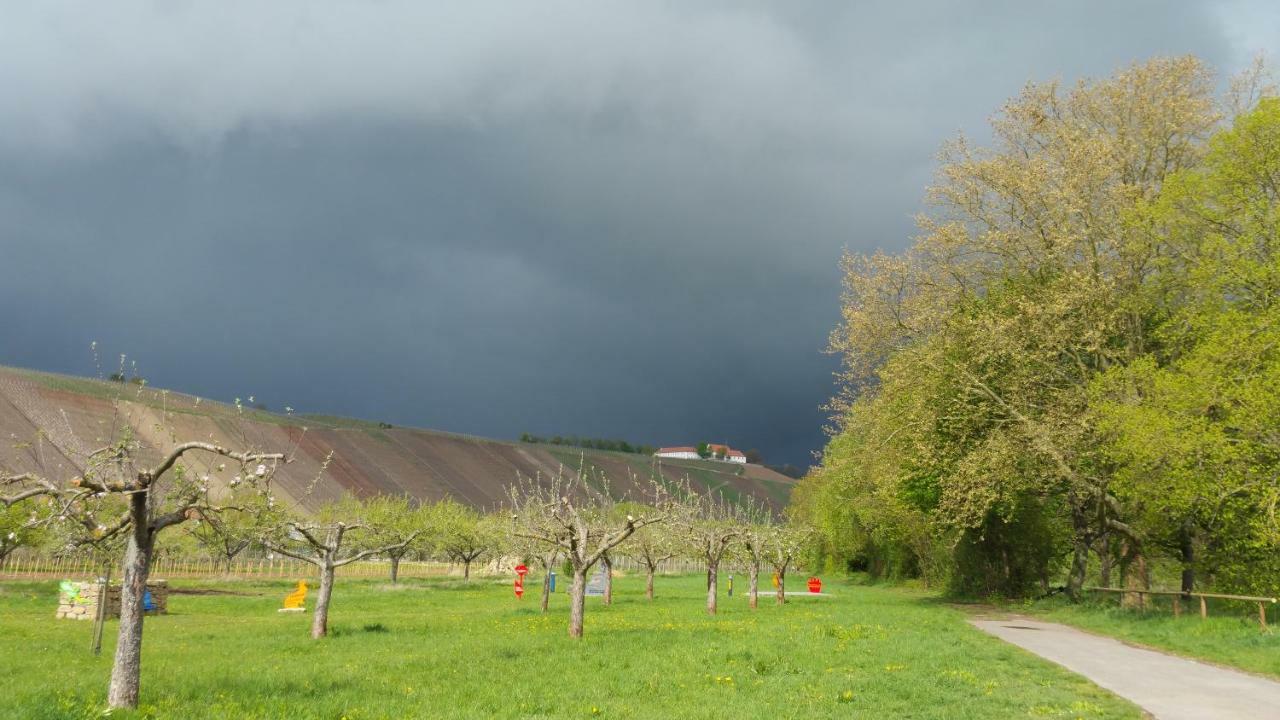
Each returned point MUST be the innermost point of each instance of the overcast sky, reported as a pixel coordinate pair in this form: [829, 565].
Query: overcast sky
[595, 218]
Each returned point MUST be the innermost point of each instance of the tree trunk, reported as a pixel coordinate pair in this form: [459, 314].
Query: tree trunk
[1187, 545]
[1134, 570]
[607, 566]
[753, 583]
[546, 588]
[395, 569]
[466, 570]
[577, 601]
[1105, 561]
[320, 620]
[1080, 552]
[781, 595]
[1079, 566]
[127, 669]
[648, 583]
[712, 572]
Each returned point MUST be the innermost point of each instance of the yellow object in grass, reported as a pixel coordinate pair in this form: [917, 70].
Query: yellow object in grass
[294, 600]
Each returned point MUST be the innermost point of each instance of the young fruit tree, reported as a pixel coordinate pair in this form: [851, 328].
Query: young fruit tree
[338, 535]
[119, 494]
[654, 547]
[225, 535]
[543, 555]
[710, 525]
[20, 526]
[783, 544]
[567, 514]
[465, 535]
[757, 529]
[398, 516]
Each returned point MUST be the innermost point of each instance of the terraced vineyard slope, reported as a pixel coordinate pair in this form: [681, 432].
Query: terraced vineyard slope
[51, 421]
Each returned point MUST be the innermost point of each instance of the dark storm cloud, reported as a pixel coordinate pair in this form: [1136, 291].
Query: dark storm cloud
[608, 219]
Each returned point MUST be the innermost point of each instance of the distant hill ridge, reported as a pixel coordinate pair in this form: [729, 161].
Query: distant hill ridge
[50, 421]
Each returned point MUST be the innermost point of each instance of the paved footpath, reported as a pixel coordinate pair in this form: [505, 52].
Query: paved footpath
[1168, 687]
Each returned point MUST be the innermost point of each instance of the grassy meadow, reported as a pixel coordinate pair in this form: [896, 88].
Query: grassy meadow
[445, 649]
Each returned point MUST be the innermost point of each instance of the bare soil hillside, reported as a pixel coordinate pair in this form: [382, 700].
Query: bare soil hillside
[50, 422]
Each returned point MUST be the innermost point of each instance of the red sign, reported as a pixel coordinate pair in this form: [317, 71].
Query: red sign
[521, 570]
[520, 586]
[815, 585]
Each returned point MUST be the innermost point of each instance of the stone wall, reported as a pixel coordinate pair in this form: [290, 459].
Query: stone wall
[79, 600]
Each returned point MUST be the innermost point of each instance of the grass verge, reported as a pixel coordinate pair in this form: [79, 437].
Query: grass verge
[1230, 635]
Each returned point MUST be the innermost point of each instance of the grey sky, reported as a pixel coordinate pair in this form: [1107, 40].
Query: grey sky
[595, 218]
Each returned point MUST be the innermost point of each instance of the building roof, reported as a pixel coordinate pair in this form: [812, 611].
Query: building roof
[725, 450]
[676, 450]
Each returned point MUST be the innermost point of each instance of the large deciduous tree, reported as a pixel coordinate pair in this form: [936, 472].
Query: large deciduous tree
[970, 423]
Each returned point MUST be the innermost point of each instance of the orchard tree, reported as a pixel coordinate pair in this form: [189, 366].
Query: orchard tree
[577, 519]
[392, 518]
[224, 536]
[710, 525]
[782, 545]
[118, 494]
[545, 555]
[20, 526]
[465, 534]
[655, 545]
[338, 535]
[757, 527]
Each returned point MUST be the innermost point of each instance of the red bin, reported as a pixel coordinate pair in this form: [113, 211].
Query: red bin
[815, 585]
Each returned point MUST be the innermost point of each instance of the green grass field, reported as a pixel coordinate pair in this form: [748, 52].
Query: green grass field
[1229, 636]
[429, 649]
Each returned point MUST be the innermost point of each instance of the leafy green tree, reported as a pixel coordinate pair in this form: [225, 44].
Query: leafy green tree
[970, 359]
[20, 526]
[1192, 425]
[465, 534]
[393, 518]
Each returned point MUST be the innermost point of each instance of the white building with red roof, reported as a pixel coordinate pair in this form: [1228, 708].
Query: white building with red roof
[718, 452]
[681, 453]
[726, 453]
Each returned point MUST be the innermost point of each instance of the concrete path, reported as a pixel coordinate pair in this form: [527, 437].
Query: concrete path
[1170, 688]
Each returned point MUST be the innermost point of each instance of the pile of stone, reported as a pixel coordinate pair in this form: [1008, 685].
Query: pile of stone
[79, 600]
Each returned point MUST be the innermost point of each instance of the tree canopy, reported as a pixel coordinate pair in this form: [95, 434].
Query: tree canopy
[1075, 356]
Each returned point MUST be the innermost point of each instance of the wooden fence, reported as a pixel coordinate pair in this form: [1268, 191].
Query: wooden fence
[45, 567]
[60, 567]
[1178, 596]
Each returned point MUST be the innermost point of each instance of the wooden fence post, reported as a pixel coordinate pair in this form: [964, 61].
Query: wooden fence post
[1262, 615]
[1204, 608]
[1177, 606]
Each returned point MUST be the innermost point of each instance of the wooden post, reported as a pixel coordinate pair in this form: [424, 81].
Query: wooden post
[1262, 615]
[1204, 608]
[1177, 606]
[104, 589]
